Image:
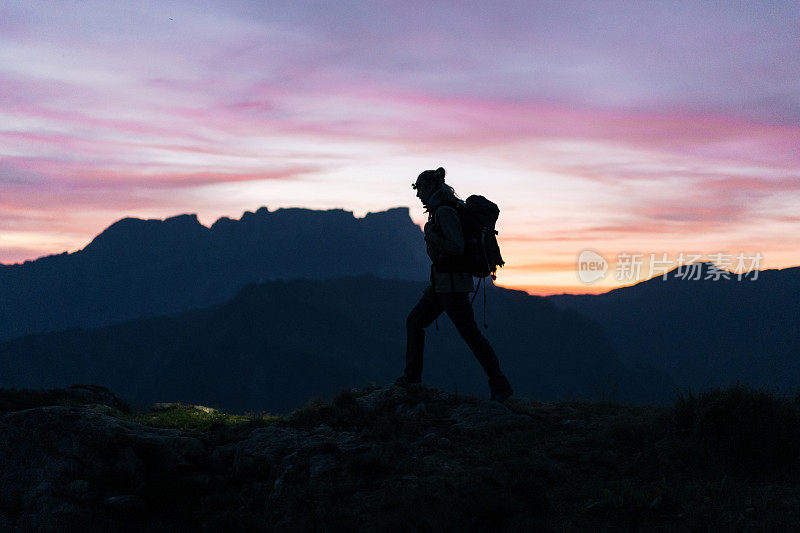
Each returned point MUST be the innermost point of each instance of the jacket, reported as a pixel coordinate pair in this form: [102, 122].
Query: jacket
[444, 237]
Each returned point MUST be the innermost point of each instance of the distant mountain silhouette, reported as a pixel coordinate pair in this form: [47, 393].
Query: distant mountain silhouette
[140, 268]
[705, 333]
[277, 344]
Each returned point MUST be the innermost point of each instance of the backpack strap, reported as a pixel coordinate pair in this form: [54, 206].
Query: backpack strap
[448, 203]
[459, 208]
[477, 290]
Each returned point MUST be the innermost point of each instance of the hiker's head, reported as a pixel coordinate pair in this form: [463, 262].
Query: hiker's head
[428, 182]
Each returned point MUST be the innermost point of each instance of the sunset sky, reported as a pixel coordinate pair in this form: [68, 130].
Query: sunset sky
[620, 127]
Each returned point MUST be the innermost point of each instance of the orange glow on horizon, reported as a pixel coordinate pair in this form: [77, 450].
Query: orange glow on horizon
[549, 290]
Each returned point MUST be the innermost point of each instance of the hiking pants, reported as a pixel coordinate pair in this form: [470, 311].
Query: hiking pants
[459, 309]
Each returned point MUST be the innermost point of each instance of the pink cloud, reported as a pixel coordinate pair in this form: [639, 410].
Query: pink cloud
[81, 119]
[465, 122]
[80, 177]
[418, 118]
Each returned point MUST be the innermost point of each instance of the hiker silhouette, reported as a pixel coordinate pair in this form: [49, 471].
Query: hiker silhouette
[449, 288]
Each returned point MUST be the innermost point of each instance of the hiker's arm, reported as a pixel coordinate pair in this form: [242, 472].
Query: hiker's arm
[447, 235]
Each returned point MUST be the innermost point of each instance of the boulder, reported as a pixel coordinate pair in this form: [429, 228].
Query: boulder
[53, 454]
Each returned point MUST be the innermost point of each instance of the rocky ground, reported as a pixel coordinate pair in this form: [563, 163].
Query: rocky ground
[388, 459]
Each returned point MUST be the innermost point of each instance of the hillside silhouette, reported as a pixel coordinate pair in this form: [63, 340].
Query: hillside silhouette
[705, 333]
[640, 343]
[278, 343]
[140, 268]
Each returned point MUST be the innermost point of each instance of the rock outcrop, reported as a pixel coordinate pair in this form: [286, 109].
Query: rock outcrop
[376, 459]
[88, 465]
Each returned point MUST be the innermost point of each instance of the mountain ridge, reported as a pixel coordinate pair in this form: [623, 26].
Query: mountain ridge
[191, 220]
[705, 332]
[147, 267]
[278, 343]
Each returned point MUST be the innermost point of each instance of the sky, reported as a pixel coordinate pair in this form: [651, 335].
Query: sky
[666, 129]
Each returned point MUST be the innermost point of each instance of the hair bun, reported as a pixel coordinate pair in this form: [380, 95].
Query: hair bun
[440, 172]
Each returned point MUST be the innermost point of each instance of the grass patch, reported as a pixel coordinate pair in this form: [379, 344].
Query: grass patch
[187, 417]
[633, 503]
[739, 429]
[342, 413]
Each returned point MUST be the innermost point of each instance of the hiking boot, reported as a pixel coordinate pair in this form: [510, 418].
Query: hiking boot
[500, 388]
[502, 395]
[404, 382]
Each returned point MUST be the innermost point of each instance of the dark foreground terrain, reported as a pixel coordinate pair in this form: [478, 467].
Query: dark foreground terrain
[380, 459]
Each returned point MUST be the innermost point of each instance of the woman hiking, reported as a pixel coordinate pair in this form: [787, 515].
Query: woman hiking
[450, 284]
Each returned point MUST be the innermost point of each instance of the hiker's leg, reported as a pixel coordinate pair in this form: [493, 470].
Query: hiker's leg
[425, 312]
[459, 309]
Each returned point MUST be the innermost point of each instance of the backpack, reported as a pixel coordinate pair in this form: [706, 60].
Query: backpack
[478, 219]
[481, 255]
